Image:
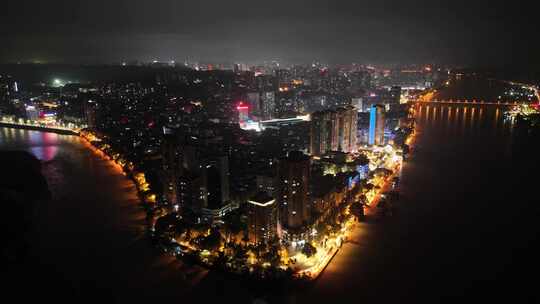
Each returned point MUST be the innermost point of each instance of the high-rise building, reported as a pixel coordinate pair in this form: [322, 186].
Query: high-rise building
[32, 113]
[293, 184]
[213, 171]
[8, 89]
[376, 125]
[360, 80]
[265, 83]
[195, 175]
[347, 127]
[171, 166]
[254, 101]
[353, 139]
[333, 130]
[266, 183]
[268, 105]
[395, 94]
[324, 132]
[394, 99]
[217, 181]
[240, 67]
[89, 108]
[283, 78]
[262, 218]
[192, 192]
[358, 102]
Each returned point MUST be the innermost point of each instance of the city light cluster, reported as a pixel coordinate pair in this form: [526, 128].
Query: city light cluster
[261, 171]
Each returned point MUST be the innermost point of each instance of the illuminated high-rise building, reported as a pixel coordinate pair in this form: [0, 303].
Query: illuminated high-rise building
[262, 218]
[266, 183]
[254, 101]
[333, 130]
[210, 173]
[324, 132]
[89, 108]
[395, 95]
[293, 184]
[217, 180]
[376, 125]
[268, 105]
[32, 113]
[8, 88]
[171, 162]
[347, 128]
[195, 176]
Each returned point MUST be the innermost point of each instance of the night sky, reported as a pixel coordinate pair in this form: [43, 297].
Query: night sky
[481, 33]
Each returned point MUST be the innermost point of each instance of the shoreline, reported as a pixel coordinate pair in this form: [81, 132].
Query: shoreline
[39, 128]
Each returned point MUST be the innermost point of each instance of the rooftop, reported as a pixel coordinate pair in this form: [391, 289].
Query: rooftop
[261, 199]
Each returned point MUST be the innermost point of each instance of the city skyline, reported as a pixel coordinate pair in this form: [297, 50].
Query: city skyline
[477, 33]
[269, 152]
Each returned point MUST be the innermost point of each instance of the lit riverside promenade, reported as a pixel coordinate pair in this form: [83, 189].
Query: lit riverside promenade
[68, 128]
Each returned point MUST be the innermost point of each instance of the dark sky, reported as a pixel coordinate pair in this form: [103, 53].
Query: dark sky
[466, 32]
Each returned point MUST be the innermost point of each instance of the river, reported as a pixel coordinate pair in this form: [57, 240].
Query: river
[435, 242]
[456, 232]
[90, 236]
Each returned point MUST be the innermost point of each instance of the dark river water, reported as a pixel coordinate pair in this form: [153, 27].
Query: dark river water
[460, 231]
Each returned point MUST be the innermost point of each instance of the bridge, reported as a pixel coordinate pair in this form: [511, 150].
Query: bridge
[61, 128]
[470, 102]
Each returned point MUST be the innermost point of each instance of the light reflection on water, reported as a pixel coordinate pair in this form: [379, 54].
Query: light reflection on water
[456, 147]
[93, 214]
[44, 153]
[45, 146]
[463, 120]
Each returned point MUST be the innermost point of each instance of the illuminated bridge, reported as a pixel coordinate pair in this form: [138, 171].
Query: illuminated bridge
[471, 102]
[62, 128]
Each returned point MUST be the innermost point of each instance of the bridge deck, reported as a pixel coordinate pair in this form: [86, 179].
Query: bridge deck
[470, 102]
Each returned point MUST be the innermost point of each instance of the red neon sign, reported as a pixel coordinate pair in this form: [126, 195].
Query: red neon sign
[241, 106]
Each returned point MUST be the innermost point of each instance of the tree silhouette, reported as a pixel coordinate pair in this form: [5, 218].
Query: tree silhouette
[357, 210]
[212, 242]
[309, 250]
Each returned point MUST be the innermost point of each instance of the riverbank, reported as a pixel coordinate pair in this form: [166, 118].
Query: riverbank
[89, 243]
[311, 273]
[128, 168]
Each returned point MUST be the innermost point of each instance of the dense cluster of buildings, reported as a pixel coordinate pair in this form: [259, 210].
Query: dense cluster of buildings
[196, 173]
[282, 147]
